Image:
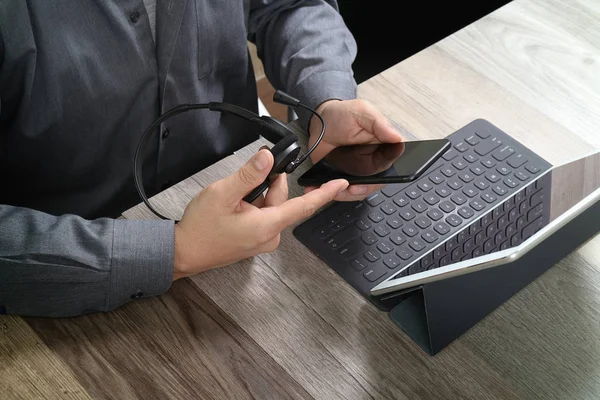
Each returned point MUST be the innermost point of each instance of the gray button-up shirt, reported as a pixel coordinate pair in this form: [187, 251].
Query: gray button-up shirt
[79, 83]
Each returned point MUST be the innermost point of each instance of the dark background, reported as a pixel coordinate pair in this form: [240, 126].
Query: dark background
[388, 31]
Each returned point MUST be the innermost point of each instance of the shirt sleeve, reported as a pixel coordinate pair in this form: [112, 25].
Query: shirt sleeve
[66, 266]
[306, 49]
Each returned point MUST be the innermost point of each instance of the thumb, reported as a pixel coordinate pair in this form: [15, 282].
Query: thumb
[249, 176]
[384, 131]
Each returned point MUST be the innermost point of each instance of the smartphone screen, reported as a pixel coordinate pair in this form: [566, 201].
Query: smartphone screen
[376, 163]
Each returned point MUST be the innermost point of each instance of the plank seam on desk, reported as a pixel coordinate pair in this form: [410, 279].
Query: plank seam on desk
[351, 373]
[230, 319]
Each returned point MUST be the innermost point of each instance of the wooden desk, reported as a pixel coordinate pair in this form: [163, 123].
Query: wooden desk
[283, 325]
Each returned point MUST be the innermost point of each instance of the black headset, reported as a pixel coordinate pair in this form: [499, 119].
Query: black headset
[285, 150]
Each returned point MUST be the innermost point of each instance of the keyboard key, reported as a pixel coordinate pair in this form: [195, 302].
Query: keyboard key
[471, 158]
[463, 235]
[503, 153]
[483, 134]
[456, 254]
[392, 189]
[441, 228]
[459, 164]
[443, 191]
[416, 244]
[500, 190]
[491, 230]
[488, 197]
[447, 206]
[404, 253]
[511, 183]
[414, 193]
[488, 163]
[423, 222]
[451, 245]
[465, 177]
[337, 226]
[503, 170]
[401, 201]
[384, 247]
[462, 147]
[479, 238]
[342, 237]
[492, 177]
[429, 236]
[469, 246]
[450, 155]
[373, 274]
[358, 265]
[372, 255]
[535, 212]
[436, 178]
[435, 214]
[521, 176]
[410, 230]
[454, 184]
[513, 214]
[376, 216]
[470, 191]
[425, 186]
[478, 252]
[431, 199]
[445, 261]
[454, 220]
[363, 225]
[351, 249]
[537, 198]
[394, 222]
[466, 212]
[448, 171]
[472, 140]
[458, 199]
[397, 239]
[375, 199]
[369, 238]
[407, 214]
[477, 205]
[532, 168]
[382, 230]
[419, 206]
[477, 170]
[517, 160]
[322, 232]
[388, 208]
[487, 146]
[391, 262]
[488, 246]
[532, 228]
[481, 184]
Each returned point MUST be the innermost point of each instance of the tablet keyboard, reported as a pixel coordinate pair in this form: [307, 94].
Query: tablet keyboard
[451, 213]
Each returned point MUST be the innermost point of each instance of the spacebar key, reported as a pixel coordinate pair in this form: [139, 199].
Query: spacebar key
[343, 237]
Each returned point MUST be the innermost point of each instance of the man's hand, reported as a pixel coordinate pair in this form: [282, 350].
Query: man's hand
[219, 228]
[350, 122]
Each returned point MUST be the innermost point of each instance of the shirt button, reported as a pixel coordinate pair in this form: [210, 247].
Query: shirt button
[137, 295]
[166, 134]
[134, 17]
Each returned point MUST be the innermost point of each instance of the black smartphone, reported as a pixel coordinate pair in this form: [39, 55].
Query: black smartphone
[376, 163]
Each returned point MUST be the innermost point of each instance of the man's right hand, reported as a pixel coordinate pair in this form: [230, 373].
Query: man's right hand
[219, 228]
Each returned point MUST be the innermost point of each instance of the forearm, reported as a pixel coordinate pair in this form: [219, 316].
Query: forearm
[65, 266]
[306, 49]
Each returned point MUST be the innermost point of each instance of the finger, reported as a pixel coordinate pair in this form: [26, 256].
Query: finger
[375, 122]
[304, 206]
[357, 192]
[249, 176]
[278, 192]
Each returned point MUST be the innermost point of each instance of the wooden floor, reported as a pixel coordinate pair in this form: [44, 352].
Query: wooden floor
[284, 325]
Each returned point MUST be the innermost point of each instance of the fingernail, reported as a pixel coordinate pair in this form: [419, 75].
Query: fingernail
[361, 189]
[261, 160]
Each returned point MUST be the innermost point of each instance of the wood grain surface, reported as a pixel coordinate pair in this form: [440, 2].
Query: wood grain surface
[284, 325]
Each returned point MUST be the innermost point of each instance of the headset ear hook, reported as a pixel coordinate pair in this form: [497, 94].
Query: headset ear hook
[286, 149]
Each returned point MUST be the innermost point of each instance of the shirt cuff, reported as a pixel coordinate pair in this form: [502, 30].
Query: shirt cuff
[142, 260]
[322, 86]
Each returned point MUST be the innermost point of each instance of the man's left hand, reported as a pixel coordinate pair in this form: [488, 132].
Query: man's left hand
[350, 122]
